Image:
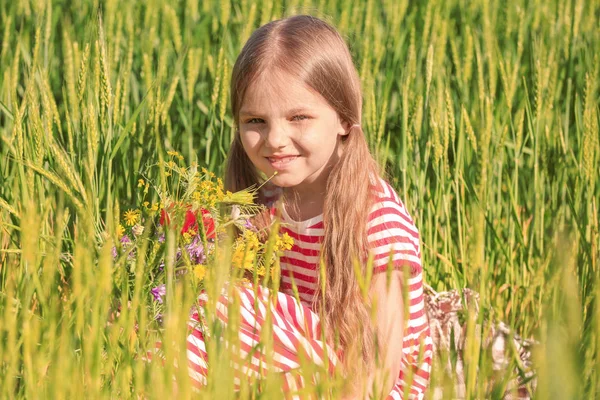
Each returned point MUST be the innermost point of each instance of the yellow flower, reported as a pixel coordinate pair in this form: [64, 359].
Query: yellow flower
[200, 271]
[120, 231]
[250, 238]
[284, 242]
[131, 217]
[187, 238]
[141, 182]
[240, 260]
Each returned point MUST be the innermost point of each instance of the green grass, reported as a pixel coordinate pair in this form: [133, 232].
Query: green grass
[484, 114]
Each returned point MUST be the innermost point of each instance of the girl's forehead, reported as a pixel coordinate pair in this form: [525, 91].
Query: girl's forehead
[280, 90]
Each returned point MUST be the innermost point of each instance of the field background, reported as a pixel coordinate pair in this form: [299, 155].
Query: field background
[484, 114]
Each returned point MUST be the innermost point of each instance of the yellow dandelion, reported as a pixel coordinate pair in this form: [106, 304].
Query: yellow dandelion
[200, 271]
[120, 231]
[131, 217]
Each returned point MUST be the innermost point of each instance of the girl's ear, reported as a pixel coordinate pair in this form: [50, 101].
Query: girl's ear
[346, 125]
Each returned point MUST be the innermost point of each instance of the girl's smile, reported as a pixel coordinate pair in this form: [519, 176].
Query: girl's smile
[281, 163]
[288, 128]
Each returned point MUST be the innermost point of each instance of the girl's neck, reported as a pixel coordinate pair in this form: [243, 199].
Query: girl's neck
[304, 206]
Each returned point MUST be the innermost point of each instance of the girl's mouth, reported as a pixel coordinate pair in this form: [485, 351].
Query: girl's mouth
[281, 162]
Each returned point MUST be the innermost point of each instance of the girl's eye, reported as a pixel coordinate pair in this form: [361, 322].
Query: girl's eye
[299, 117]
[255, 121]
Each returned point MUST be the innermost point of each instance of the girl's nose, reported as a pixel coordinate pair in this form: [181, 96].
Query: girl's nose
[276, 136]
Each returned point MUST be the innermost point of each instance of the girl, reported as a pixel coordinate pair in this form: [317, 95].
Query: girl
[296, 102]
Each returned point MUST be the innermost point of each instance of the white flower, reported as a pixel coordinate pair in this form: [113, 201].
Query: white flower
[137, 229]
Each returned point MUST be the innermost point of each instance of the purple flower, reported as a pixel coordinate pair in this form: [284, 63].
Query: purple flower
[125, 242]
[196, 251]
[158, 292]
[248, 225]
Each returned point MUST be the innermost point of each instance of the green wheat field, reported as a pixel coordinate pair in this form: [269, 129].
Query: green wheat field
[484, 114]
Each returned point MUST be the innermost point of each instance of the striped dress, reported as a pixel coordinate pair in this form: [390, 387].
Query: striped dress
[296, 327]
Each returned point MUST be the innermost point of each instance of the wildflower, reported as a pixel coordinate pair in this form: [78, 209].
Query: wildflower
[120, 230]
[245, 250]
[131, 217]
[284, 242]
[242, 258]
[200, 271]
[158, 292]
[187, 236]
[137, 229]
[251, 239]
[125, 243]
[235, 212]
[190, 222]
[141, 182]
[209, 224]
[196, 251]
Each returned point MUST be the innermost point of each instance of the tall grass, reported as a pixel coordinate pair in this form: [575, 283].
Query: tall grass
[483, 113]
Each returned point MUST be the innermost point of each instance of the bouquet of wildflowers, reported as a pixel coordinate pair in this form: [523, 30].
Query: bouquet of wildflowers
[197, 212]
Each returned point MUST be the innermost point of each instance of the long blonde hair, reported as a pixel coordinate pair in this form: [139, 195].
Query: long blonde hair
[312, 50]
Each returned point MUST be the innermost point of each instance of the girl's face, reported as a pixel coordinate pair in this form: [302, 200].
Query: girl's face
[288, 128]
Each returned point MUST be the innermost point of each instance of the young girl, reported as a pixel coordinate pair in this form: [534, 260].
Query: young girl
[296, 101]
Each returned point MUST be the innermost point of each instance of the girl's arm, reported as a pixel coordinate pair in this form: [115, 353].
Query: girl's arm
[388, 303]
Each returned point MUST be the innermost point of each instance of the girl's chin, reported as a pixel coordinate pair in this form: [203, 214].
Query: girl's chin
[283, 181]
